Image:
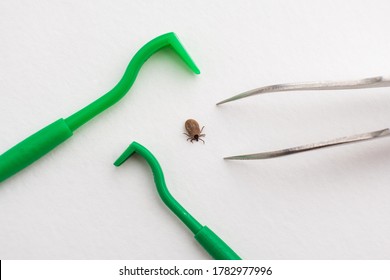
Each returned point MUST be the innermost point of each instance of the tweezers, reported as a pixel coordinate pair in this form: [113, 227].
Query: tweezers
[374, 82]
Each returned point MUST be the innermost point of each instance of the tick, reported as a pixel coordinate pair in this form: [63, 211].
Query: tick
[193, 130]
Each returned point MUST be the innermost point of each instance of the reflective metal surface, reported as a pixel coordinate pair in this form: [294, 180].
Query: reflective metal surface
[314, 146]
[373, 82]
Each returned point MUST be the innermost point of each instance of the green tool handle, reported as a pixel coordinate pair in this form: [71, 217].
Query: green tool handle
[214, 245]
[33, 148]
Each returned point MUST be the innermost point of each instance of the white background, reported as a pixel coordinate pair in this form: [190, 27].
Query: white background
[58, 56]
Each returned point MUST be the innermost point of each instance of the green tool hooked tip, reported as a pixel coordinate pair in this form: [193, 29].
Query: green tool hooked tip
[214, 245]
[43, 141]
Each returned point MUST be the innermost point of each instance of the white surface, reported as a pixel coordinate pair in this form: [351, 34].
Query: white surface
[58, 56]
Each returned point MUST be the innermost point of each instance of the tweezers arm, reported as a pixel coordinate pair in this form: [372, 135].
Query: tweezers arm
[314, 146]
[380, 81]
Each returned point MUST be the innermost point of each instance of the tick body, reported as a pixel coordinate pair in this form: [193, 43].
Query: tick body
[193, 130]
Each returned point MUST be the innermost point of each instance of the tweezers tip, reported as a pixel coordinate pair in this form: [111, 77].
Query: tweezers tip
[221, 102]
[233, 158]
[228, 100]
[236, 97]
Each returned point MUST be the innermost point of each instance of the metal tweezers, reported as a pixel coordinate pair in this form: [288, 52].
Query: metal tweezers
[373, 82]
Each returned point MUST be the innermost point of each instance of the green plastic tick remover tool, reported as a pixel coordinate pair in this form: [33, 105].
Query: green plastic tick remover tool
[43, 141]
[214, 245]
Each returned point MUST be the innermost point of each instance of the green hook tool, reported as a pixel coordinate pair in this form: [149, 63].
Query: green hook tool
[214, 245]
[43, 141]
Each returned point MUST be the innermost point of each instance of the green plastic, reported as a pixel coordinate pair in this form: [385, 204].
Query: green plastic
[40, 143]
[214, 245]
[32, 148]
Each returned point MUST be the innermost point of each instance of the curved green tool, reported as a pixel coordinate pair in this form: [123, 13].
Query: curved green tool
[214, 245]
[43, 141]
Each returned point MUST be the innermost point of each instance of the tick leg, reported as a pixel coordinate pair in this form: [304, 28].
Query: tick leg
[187, 134]
[189, 139]
[201, 129]
[202, 135]
[192, 140]
[202, 140]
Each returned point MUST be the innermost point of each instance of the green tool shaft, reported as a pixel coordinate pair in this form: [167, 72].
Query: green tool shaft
[43, 141]
[162, 189]
[110, 98]
[211, 242]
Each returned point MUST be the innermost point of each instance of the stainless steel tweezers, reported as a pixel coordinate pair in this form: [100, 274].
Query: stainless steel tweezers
[373, 82]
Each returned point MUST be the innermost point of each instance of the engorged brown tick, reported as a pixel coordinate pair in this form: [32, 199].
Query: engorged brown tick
[194, 131]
